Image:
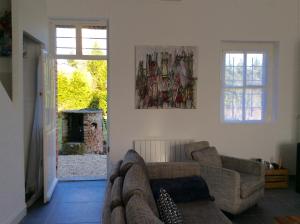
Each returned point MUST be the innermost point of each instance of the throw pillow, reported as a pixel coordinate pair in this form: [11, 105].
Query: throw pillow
[182, 189]
[194, 146]
[208, 157]
[168, 211]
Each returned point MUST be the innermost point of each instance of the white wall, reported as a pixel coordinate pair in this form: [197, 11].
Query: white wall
[202, 23]
[28, 15]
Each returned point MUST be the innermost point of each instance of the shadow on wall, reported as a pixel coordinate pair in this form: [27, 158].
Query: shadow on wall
[288, 155]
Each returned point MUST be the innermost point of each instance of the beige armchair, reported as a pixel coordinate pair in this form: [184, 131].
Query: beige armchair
[236, 184]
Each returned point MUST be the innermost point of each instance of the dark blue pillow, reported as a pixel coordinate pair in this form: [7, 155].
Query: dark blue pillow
[182, 189]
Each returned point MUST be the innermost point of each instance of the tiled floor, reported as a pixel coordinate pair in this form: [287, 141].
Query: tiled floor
[72, 202]
[81, 202]
[279, 202]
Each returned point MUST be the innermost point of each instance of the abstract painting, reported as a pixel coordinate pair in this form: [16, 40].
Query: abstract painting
[165, 77]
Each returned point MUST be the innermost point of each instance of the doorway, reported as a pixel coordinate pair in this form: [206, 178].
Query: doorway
[81, 59]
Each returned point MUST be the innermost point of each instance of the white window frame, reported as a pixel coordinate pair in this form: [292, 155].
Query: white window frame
[267, 49]
[78, 25]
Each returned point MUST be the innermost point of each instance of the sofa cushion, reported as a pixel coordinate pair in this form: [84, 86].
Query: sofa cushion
[118, 215]
[172, 170]
[168, 211]
[115, 171]
[106, 214]
[182, 189]
[116, 193]
[199, 212]
[139, 212]
[250, 184]
[137, 182]
[194, 146]
[208, 157]
[131, 158]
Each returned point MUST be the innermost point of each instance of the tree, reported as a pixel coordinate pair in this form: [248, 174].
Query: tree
[74, 93]
[98, 70]
[62, 90]
[78, 92]
[73, 63]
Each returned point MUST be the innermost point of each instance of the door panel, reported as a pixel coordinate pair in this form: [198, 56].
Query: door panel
[49, 127]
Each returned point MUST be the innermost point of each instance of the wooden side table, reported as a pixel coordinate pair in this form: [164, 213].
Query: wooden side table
[276, 178]
[287, 220]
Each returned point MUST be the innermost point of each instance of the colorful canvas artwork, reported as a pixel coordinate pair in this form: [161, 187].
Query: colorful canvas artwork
[165, 77]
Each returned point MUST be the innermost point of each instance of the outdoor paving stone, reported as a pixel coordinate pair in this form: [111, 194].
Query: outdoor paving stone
[88, 165]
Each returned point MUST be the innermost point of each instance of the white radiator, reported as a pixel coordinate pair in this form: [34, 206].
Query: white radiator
[159, 150]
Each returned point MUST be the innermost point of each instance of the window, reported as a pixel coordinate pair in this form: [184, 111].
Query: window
[245, 83]
[65, 40]
[94, 40]
[80, 40]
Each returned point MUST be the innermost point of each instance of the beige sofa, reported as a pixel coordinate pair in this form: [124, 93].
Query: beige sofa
[129, 198]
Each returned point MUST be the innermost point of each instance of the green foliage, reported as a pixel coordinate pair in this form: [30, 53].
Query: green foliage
[73, 63]
[74, 93]
[78, 92]
[98, 70]
[94, 103]
[72, 149]
[62, 91]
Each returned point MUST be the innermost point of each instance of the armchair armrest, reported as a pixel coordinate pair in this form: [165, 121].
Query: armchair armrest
[159, 170]
[224, 184]
[243, 165]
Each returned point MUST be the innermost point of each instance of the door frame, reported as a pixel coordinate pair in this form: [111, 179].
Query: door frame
[53, 22]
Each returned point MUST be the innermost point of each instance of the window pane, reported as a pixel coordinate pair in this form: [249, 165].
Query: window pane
[254, 104]
[65, 51]
[93, 32]
[65, 32]
[255, 73]
[255, 76]
[234, 69]
[234, 59]
[66, 42]
[233, 76]
[94, 51]
[94, 43]
[255, 59]
[233, 104]
[94, 40]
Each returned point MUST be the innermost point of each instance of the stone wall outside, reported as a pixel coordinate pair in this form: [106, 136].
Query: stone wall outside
[92, 129]
[93, 137]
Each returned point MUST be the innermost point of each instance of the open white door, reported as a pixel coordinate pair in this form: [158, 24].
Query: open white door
[49, 126]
